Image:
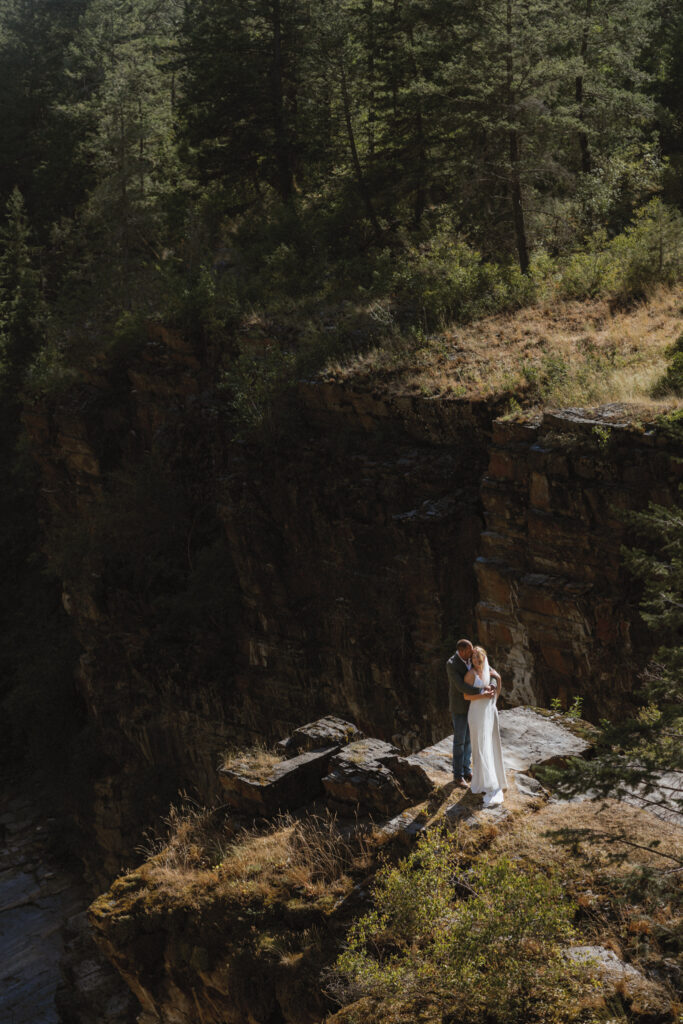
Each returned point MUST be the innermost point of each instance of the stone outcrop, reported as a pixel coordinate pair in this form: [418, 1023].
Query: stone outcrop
[533, 738]
[620, 981]
[557, 610]
[326, 732]
[355, 777]
[192, 950]
[359, 780]
[283, 786]
[223, 592]
[369, 777]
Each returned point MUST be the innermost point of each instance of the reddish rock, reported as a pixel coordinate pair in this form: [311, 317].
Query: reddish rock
[502, 465]
[283, 787]
[539, 492]
[494, 581]
[571, 617]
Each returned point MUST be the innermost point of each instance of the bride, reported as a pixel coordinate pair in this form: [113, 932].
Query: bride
[488, 768]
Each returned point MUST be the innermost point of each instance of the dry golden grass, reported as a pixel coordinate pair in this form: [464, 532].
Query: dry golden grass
[621, 865]
[567, 353]
[203, 858]
[538, 838]
[257, 761]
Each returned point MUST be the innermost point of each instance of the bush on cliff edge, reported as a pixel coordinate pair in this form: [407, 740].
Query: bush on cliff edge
[478, 945]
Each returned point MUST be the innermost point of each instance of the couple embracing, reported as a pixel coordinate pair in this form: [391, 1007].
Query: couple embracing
[473, 688]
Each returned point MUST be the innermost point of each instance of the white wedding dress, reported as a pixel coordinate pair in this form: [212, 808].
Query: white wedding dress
[488, 767]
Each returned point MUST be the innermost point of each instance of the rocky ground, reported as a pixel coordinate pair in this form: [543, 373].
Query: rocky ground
[234, 919]
[43, 930]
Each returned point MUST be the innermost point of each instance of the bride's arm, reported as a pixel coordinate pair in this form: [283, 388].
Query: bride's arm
[470, 678]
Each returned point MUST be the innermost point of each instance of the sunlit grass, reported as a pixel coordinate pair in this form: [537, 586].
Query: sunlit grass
[549, 355]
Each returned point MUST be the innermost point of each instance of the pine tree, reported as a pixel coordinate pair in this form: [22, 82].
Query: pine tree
[610, 38]
[22, 309]
[123, 91]
[347, 74]
[36, 142]
[506, 83]
[666, 65]
[240, 96]
[613, 153]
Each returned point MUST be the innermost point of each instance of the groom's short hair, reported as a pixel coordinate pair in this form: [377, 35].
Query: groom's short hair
[462, 644]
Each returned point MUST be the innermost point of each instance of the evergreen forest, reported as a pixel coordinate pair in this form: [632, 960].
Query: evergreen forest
[208, 210]
[428, 161]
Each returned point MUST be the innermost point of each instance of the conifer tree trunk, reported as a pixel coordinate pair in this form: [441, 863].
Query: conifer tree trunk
[360, 177]
[371, 77]
[514, 153]
[586, 162]
[283, 155]
[420, 176]
[420, 200]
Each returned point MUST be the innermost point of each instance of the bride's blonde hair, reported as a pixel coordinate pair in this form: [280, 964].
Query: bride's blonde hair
[481, 652]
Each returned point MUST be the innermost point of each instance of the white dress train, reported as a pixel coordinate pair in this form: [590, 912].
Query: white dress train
[488, 766]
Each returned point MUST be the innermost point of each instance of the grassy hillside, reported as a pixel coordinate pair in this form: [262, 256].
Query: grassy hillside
[567, 352]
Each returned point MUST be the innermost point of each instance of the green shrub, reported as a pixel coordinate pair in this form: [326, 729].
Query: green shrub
[648, 253]
[671, 382]
[484, 944]
[590, 272]
[446, 280]
[255, 382]
[50, 372]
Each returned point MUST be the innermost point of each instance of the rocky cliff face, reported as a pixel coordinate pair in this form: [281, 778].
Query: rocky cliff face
[353, 552]
[557, 608]
[224, 592]
[128, 459]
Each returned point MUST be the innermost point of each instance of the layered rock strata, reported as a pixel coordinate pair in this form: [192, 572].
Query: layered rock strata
[353, 551]
[557, 609]
[283, 786]
[223, 591]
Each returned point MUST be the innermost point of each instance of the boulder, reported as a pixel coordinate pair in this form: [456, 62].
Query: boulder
[412, 776]
[405, 827]
[436, 761]
[530, 738]
[326, 732]
[284, 786]
[359, 782]
[615, 978]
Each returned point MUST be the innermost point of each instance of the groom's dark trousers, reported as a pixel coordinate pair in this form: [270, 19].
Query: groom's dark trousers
[462, 746]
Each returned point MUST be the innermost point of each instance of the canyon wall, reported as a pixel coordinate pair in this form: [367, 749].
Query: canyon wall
[224, 592]
[353, 550]
[557, 607]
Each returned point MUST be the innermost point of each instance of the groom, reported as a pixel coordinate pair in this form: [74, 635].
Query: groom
[457, 666]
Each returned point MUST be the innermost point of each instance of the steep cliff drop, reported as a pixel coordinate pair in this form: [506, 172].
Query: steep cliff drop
[221, 590]
[38, 895]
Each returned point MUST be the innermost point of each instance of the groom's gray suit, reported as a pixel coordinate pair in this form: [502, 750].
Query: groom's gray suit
[462, 747]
